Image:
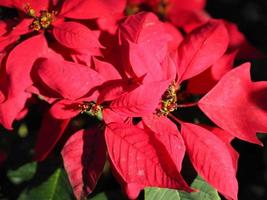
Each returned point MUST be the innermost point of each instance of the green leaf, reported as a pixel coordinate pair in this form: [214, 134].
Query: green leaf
[161, 194]
[109, 195]
[205, 192]
[56, 187]
[23, 173]
[100, 196]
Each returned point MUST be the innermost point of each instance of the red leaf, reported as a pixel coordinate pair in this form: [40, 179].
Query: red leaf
[227, 139]
[141, 101]
[145, 62]
[111, 90]
[140, 160]
[237, 105]
[84, 156]
[65, 109]
[145, 29]
[205, 81]
[70, 80]
[18, 67]
[201, 48]
[211, 158]
[91, 9]
[37, 5]
[50, 132]
[107, 70]
[176, 36]
[76, 36]
[20, 62]
[189, 4]
[111, 116]
[167, 133]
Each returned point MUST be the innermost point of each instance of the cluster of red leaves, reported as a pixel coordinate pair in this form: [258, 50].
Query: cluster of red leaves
[127, 60]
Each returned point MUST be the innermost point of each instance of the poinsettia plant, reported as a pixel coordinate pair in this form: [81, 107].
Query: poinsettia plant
[113, 81]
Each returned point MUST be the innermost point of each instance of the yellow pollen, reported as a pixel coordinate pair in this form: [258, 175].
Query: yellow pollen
[43, 21]
[168, 101]
[91, 108]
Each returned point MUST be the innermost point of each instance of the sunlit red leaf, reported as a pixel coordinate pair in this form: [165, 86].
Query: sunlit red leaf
[141, 101]
[91, 9]
[144, 62]
[166, 132]
[141, 160]
[18, 68]
[238, 105]
[205, 81]
[76, 36]
[107, 70]
[227, 139]
[70, 80]
[145, 29]
[22, 4]
[65, 109]
[201, 48]
[211, 158]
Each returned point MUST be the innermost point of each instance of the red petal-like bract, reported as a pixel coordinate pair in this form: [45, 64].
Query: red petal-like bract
[50, 132]
[227, 139]
[211, 158]
[76, 36]
[145, 29]
[167, 133]
[189, 4]
[140, 159]
[65, 109]
[204, 82]
[84, 157]
[37, 5]
[107, 70]
[18, 67]
[201, 48]
[141, 101]
[70, 80]
[143, 62]
[91, 9]
[238, 105]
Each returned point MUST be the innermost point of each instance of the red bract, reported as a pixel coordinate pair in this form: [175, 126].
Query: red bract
[37, 17]
[17, 77]
[141, 159]
[144, 100]
[211, 158]
[135, 78]
[55, 80]
[84, 157]
[184, 14]
[237, 98]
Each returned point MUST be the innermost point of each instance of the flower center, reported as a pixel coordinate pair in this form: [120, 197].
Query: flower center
[132, 9]
[43, 21]
[91, 108]
[168, 101]
[162, 7]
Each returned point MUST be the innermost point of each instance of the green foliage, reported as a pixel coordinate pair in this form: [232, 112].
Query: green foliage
[205, 192]
[23, 173]
[56, 187]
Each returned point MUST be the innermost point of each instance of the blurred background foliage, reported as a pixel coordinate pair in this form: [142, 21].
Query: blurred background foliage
[20, 178]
